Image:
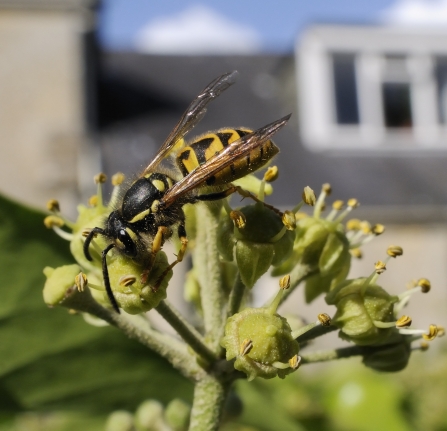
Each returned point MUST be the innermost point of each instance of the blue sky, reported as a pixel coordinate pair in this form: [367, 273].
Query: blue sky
[251, 25]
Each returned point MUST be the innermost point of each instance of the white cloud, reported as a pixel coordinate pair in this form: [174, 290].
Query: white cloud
[197, 30]
[423, 13]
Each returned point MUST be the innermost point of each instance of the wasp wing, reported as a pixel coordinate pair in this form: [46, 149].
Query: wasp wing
[195, 112]
[226, 157]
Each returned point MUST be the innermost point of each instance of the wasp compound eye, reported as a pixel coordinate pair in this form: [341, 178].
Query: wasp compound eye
[125, 242]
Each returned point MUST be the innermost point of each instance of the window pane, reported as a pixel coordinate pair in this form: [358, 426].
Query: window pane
[345, 89]
[441, 82]
[397, 104]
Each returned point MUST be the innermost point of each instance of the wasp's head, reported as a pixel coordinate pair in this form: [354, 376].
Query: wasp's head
[121, 234]
[118, 232]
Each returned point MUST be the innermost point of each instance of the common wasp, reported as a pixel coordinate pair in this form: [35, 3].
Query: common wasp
[153, 204]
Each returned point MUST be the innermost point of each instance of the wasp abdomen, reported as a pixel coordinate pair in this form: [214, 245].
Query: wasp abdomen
[211, 144]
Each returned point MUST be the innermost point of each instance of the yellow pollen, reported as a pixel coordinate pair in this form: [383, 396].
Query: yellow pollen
[324, 319]
[394, 251]
[53, 205]
[118, 178]
[284, 282]
[100, 178]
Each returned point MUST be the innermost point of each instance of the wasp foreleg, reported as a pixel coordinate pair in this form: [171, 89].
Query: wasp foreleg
[181, 253]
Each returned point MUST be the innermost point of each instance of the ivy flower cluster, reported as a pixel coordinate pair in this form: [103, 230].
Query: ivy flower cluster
[231, 249]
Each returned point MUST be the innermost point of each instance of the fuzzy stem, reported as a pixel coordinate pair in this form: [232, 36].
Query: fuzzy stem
[330, 355]
[165, 345]
[186, 331]
[315, 332]
[207, 265]
[209, 398]
[236, 296]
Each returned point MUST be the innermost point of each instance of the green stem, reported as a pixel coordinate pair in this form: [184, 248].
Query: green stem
[315, 332]
[330, 355]
[186, 331]
[207, 264]
[165, 345]
[209, 398]
[236, 296]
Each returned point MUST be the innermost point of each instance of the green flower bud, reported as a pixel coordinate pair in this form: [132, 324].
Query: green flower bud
[359, 305]
[130, 293]
[89, 217]
[261, 341]
[177, 415]
[261, 242]
[392, 357]
[322, 246]
[59, 282]
[120, 420]
[149, 416]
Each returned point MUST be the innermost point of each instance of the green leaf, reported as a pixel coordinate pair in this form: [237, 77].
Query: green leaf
[50, 359]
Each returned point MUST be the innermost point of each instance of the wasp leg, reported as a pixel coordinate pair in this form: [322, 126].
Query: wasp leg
[157, 243]
[242, 192]
[181, 253]
[105, 276]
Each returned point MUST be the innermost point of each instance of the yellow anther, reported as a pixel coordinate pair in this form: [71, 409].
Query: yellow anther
[118, 179]
[81, 282]
[380, 267]
[441, 331]
[356, 252]
[308, 196]
[93, 200]
[53, 205]
[432, 333]
[326, 188]
[338, 205]
[271, 174]
[424, 284]
[284, 282]
[424, 346]
[238, 218]
[289, 220]
[324, 319]
[245, 347]
[85, 232]
[53, 221]
[365, 226]
[354, 224]
[403, 322]
[127, 280]
[378, 229]
[394, 251]
[353, 203]
[100, 178]
[295, 362]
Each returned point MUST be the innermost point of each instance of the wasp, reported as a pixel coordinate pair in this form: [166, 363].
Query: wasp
[153, 204]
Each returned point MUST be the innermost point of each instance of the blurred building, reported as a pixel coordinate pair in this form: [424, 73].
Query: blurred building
[45, 141]
[369, 116]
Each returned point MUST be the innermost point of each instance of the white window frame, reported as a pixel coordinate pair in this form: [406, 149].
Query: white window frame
[318, 126]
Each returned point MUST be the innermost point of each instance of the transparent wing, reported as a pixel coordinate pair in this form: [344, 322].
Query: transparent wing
[226, 157]
[195, 112]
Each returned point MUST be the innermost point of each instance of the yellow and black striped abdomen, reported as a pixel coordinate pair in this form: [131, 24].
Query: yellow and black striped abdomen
[210, 144]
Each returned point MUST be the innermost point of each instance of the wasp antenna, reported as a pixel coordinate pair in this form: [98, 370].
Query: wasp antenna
[89, 239]
[105, 276]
